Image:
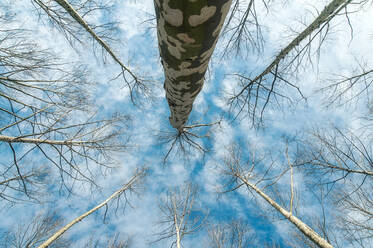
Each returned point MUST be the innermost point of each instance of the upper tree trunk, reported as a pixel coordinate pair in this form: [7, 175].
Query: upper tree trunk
[187, 34]
[304, 228]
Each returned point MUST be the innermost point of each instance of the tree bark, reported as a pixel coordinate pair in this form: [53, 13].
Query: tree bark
[11, 139]
[305, 229]
[187, 34]
[177, 230]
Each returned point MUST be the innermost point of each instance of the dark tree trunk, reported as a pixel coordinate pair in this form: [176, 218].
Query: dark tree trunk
[188, 31]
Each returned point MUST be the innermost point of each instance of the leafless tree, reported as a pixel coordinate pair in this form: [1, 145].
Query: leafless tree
[335, 155]
[45, 110]
[135, 179]
[323, 220]
[350, 217]
[34, 233]
[257, 91]
[242, 29]
[179, 215]
[69, 18]
[244, 174]
[235, 234]
[338, 164]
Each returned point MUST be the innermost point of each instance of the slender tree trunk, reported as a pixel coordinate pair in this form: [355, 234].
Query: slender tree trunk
[55, 236]
[325, 16]
[187, 34]
[177, 229]
[11, 139]
[74, 14]
[305, 229]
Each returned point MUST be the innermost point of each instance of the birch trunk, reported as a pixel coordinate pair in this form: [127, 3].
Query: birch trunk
[325, 16]
[74, 14]
[305, 229]
[55, 236]
[11, 139]
[187, 34]
[178, 238]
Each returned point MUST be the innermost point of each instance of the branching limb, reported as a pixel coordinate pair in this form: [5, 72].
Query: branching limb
[187, 140]
[348, 89]
[240, 175]
[243, 29]
[336, 154]
[132, 81]
[179, 215]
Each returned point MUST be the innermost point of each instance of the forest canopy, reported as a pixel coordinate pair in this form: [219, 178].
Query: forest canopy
[230, 123]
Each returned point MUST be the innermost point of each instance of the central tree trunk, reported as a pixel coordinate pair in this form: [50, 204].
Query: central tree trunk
[188, 31]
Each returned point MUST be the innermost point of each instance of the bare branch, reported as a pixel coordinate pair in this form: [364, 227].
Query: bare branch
[243, 29]
[187, 140]
[259, 89]
[345, 89]
[133, 82]
[179, 215]
[336, 154]
[229, 235]
[28, 235]
[240, 175]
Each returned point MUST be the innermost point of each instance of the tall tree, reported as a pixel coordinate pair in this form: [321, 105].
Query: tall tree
[69, 19]
[243, 174]
[339, 164]
[134, 180]
[179, 215]
[46, 119]
[45, 110]
[187, 34]
[257, 91]
[234, 234]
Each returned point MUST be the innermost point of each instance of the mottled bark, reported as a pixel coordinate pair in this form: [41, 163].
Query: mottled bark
[187, 34]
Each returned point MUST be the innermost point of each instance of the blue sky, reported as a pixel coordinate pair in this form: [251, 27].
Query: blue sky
[136, 45]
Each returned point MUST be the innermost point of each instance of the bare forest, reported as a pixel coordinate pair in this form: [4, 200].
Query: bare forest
[166, 123]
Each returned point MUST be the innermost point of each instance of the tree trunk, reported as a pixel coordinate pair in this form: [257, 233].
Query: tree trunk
[187, 34]
[82, 143]
[177, 230]
[331, 10]
[74, 14]
[116, 194]
[305, 229]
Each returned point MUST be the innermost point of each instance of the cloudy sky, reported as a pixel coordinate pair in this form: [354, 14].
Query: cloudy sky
[345, 51]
